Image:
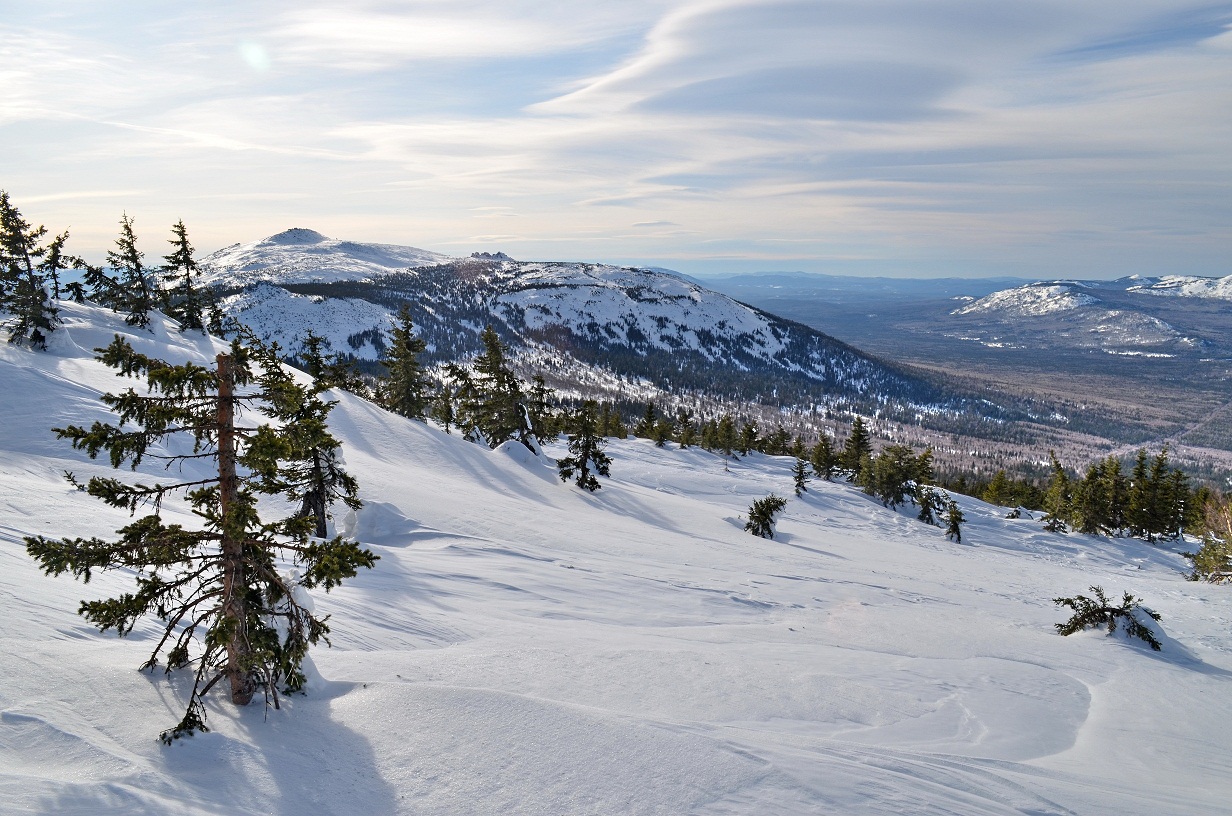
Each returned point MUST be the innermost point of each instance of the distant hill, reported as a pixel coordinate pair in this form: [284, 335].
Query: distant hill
[579, 322]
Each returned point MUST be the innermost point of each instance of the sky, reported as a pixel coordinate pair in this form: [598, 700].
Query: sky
[1040, 138]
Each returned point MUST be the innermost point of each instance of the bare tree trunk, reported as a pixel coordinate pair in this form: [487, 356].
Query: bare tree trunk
[235, 587]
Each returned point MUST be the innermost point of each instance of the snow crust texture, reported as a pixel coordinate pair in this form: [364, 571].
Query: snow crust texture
[523, 647]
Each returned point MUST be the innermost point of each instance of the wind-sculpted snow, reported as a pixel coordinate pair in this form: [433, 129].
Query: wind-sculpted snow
[525, 648]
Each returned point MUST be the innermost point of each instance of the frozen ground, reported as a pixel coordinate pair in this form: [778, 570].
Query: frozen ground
[526, 648]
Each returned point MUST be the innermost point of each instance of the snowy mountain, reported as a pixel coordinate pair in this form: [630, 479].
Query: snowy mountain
[304, 255]
[585, 321]
[1111, 317]
[523, 647]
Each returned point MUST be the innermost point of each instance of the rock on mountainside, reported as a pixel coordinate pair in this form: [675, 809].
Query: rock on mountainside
[582, 320]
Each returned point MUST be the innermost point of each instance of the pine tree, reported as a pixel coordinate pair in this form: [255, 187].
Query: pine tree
[924, 467]
[748, 440]
[890, 476]
[185, 302]
[688, 436]
[954, 519]
[136, 293]
[490, 401]
[798, 450]
[725, 435]
[858, 445]
[405, 388]
[931, 502]
[799, 475]
[540, 400]
[1213, 560]
[24, 263]
[1057, 498]
[661, 432]
[646, 425]
[218, 591]
[311, 470]
[330, 370]
[823, 459]
[586, 457]
[776, 443]
[761, 515]
[998, 491]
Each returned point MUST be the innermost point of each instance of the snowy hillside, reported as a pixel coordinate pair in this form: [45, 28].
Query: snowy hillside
[597, 319]
[523, 647]
[1081, 315]
[1187, 286]
[303, 255]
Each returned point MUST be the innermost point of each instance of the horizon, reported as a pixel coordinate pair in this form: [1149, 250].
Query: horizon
[887, 139]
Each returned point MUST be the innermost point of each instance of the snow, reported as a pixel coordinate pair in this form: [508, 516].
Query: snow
[1188, 286]
[302, 255]
[1030, 301]
[524, 647]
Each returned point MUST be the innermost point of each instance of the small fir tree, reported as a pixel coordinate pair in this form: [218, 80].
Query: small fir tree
[1213, 560]
[953, 520]
[219, 592]
[24, 266]
[1056, 498]
[858, 446]
[799, 475]
[586, 457]
[998, 491]
[646, 425]
[405, 389]
[185, 301]
[762, 514]
[136, 293]
[1099, 612]
[823, 459]
[748, 439]
[725, 435]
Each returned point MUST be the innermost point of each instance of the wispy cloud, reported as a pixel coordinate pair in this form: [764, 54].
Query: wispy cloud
[1079, 138]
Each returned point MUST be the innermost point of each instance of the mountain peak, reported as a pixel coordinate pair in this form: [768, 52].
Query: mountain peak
[296, 236]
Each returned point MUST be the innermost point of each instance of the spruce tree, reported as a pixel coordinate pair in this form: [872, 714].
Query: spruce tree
[748, 439]
[405, 388]
[1099, 612]
[998, 491]
[24, 266]
[220, 592]
[586, 457]
[490, 399]
[762, 514]
[823, 459]
[185, 302]
[136, 294]
[725, 435]
[858, 446]
[954, 519]
[1213, 560]
[799, 475]
[311, 470]
[661, 432]
[540, 402]
[1057, 498]
[646, 425]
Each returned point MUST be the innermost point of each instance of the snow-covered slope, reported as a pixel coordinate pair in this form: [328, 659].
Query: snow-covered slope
[1187, 286]
[523, 647]
[302, 255]
[1082, 315]
[639, 323]
[1024, 301]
